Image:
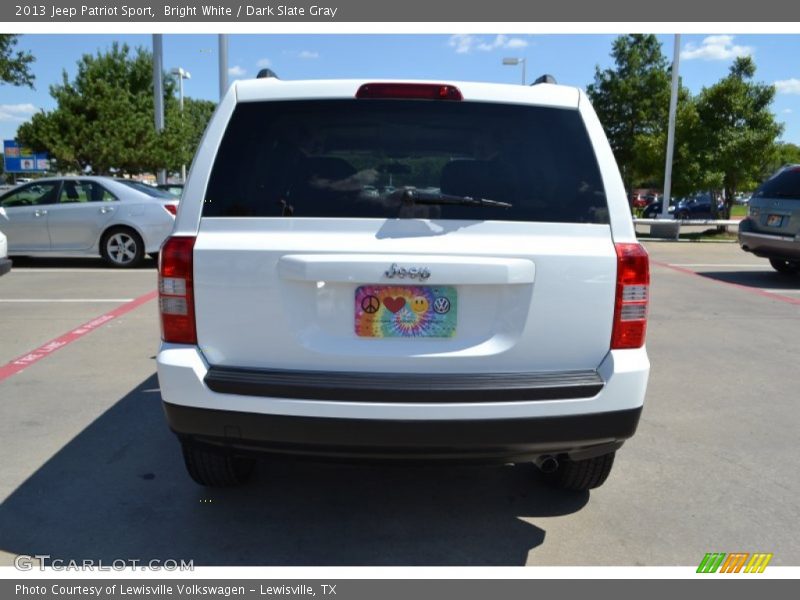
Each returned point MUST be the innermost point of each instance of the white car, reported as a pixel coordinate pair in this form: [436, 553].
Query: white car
[120, 219]
[5, 262]
[492, 306]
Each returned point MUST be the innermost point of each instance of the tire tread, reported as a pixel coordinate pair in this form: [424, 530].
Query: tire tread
[785, 267]
[587, 474]
[215, 468]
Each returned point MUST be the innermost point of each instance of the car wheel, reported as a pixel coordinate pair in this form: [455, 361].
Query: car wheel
[683, 215]
[215, 468]
[582, 475]
[785, 267]
[122, 247]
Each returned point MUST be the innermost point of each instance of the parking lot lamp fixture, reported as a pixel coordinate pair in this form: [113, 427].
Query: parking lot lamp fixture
[512, 62]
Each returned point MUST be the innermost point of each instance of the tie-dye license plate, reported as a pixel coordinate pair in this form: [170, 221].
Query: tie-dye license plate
[384, 311]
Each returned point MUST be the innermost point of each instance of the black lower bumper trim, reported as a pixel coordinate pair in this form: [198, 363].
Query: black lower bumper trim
[5, 265]
[337, 437]
[404, 387]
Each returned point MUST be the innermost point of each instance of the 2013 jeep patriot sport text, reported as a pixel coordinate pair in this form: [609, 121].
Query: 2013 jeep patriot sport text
[403, 270]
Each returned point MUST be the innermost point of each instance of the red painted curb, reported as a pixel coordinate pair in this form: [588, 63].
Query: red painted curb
[746, 288]
[45, 350]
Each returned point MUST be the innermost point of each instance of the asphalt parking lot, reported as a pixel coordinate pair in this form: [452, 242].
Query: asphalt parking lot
[89, 469]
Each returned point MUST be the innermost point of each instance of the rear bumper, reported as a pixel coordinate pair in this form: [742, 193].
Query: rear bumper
[5, 265]
[504, 440]
[362, 416]
[768, 245]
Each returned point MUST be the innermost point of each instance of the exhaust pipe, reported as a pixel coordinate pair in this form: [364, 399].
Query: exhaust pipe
[546, 463]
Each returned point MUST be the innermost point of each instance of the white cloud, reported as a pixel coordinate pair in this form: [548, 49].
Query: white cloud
[237, 71]
[516, 43]
[308, 54]
[715, 47]
[787, 111]
[263, 63]
[788, 86]
[16, 112]
[498, 42]
[464, 43]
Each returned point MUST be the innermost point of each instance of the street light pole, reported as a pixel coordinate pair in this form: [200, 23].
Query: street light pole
[181, 74]
[512, 62]
[158, 93]
[223, 65]
[180, 91]
[673, 108]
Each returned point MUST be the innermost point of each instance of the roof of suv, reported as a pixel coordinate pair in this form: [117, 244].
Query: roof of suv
[544, 94]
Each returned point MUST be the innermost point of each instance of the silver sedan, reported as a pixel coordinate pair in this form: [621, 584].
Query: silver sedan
[120, 219]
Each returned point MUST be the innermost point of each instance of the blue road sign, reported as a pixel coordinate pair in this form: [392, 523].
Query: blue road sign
[17, 159]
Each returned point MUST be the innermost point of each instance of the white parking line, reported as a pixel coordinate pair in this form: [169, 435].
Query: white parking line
[28, 300]
[781, 291]
[26, 360]
[732, 266]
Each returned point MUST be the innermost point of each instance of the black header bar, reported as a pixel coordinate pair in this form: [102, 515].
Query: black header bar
[441, 11]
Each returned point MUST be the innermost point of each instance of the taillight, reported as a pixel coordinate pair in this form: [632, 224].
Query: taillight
[633, 291]
[171, 209]
[409, 91]
[175, 291]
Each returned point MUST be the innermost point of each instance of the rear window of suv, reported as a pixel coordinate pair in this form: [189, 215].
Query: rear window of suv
[357, 158]
[785, 184]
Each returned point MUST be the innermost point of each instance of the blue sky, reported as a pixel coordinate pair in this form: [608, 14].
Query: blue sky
[570, 57]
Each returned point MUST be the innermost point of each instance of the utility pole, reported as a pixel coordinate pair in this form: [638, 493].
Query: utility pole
[223, 64]
[181, 74]
[158, 93]
[673, 108]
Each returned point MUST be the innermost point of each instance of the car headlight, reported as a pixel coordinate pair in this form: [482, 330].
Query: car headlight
[671, 209]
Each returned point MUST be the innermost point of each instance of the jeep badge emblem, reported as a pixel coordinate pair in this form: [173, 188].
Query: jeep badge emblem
[421, 273]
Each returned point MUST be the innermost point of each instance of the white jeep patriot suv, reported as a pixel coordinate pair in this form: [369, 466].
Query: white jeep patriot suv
[403, 270]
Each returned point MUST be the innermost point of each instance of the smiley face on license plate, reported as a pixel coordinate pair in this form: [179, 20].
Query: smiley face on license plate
[385, 311]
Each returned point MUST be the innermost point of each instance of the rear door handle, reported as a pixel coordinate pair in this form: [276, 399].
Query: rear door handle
[39, 212]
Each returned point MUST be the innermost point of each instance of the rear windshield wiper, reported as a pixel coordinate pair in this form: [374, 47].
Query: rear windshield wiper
[411, 196]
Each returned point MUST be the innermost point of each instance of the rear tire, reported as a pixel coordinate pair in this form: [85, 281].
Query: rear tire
[215, 468]
[785, 267]
[582, 475]
[122, 248]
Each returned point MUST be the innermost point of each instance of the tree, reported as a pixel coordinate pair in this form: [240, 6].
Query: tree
[14, 67]
[104, 118]
[689, 172]
[738, 129]
[632, 102]
[195, 117]
[785, 154]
